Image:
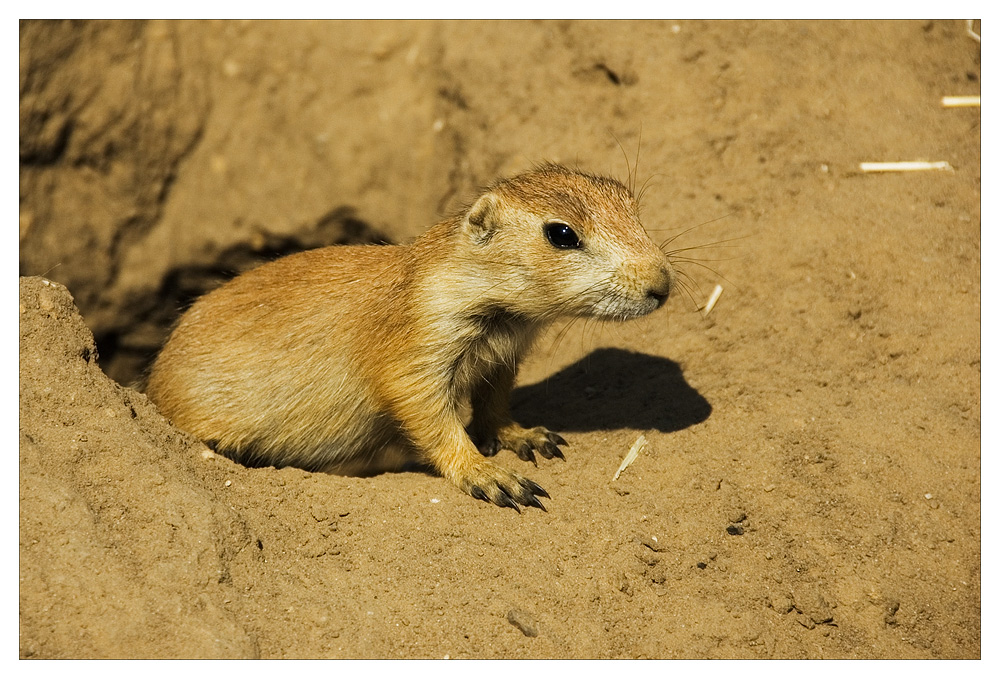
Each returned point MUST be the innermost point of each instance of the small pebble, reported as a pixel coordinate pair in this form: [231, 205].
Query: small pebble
[782, 604]
[653, 543]
[523, 621]
[891, 608]
[735, 530]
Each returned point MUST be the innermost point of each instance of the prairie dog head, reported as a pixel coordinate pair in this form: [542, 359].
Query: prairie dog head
[554, 242]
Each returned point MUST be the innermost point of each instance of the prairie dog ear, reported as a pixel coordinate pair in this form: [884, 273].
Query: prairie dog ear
[481, 219]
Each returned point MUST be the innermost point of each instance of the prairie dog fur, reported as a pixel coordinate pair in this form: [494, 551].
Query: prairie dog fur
[352, 359]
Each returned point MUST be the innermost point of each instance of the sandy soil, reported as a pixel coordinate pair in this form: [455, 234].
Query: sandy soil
[812, 483]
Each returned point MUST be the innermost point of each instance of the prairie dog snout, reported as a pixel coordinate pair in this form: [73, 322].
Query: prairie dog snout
[357, 358]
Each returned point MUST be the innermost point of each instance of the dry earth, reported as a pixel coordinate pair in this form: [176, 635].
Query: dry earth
[812, 483]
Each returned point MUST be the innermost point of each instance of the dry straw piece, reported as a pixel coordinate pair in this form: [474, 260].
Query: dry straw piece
[961, 101]
[633, 453]
[969, 30]
[907, 166]
[712, 299]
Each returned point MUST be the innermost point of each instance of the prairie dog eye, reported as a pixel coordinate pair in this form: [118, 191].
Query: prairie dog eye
[562, 236]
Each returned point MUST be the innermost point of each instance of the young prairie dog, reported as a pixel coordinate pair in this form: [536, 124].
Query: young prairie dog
[355, 359]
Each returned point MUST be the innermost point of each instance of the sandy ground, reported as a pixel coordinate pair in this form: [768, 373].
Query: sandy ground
[811, 487]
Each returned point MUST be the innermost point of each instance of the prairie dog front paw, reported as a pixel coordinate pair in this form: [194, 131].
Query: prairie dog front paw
[525, 443]
[490, 482]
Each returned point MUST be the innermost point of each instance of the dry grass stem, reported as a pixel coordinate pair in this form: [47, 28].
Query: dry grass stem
[633, 453]
[907, 166]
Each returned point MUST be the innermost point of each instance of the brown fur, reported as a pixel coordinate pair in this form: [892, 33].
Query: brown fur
[357, 358]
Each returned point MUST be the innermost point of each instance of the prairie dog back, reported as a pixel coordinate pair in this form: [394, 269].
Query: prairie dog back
[357, 359]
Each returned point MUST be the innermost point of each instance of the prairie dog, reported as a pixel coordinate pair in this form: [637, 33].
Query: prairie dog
[354, 359]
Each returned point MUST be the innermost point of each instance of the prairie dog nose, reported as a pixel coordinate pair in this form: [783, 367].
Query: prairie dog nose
[661, 284]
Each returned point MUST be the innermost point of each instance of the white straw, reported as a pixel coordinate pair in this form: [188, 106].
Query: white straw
[712, 299]
[907, 166]
[961, 101]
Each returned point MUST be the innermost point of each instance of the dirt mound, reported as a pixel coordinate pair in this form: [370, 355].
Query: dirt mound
[811, 487]
[125, 550]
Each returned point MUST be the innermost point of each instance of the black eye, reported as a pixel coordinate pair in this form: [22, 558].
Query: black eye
[561, 236]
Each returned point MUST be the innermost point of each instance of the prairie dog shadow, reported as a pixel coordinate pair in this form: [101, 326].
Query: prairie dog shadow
[612, 389]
